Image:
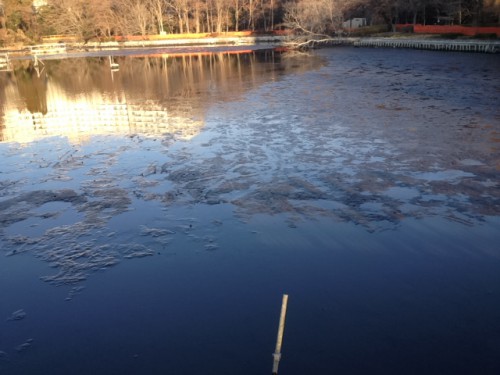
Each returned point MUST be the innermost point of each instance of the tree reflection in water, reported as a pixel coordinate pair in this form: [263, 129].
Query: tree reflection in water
[155, 94]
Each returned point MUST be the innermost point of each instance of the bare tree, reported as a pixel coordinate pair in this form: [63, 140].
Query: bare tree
[197, 16]
[315, 17]
[251, 7]
[181, 11]
[135, 17]
[237, 8]
[158, 8]
[73, 17]
[218, 7]
[105, 19]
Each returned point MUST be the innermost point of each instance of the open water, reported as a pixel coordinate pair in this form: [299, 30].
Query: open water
[151, 217]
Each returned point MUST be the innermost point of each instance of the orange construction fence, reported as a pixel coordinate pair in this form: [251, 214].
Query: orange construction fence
[449, 29]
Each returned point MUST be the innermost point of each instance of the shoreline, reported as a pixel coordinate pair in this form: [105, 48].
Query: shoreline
[223, 44]
[132, 44]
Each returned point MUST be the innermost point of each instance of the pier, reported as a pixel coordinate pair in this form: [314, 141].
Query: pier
[4, 62]
[48, 49]
[434, 45]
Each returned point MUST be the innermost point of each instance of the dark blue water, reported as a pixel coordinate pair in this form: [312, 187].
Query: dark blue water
[363, 183]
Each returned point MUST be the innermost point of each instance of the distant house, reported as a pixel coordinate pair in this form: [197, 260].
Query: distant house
[443, 20]
[354, 23]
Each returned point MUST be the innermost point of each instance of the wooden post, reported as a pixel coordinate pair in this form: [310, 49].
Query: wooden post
[279, 339]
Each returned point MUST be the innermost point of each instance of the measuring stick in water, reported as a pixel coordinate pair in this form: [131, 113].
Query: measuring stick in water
[279, 340]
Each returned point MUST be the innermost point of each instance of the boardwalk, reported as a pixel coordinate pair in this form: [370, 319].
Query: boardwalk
[48, 49]
[440, 45]
[4, 62]
[487, 46]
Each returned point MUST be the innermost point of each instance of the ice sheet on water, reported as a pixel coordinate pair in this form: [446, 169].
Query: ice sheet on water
[446, 175]
[20, 207]
[471, 162]
[74, 250]
[402, 193]
[348, 142]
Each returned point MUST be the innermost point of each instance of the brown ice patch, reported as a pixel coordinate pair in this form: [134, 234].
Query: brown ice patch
[19, 208]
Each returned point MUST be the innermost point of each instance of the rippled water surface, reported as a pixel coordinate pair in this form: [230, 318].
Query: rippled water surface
[152, 216]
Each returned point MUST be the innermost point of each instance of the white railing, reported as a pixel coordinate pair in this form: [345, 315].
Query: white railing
[48, 49]
[438, 45]
[4, 62]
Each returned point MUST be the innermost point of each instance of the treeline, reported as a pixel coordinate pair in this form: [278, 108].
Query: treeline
[327, 16]
[88, 19]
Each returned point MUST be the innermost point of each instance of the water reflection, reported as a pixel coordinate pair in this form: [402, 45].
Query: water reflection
[390, 183]
[58, 198]
[151, 95]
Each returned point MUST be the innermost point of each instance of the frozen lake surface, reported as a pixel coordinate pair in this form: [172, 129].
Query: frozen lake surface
[152, 217]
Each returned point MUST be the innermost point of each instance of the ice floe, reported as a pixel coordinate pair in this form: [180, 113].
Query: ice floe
[155, 232]
[24, 346]
[74, 291]
[17, 315]
[135, 251]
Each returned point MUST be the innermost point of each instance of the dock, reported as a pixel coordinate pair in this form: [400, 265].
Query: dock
[48, 49]
[4, 62]
[480, 46]
[455, 45]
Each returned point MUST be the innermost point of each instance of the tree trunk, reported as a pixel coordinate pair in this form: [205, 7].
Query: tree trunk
[460, 12]
[209, 23]
[197, 18]
[236, 15]
[263, 10]
[219, 20]
[478, 12]
[181, 24]
[251, 24]
[186, 20]
[272, 15]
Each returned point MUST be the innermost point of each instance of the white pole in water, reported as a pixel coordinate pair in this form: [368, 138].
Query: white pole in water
[279, 340]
